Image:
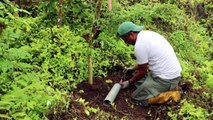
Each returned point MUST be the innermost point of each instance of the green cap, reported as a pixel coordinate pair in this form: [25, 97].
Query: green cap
[126, 27]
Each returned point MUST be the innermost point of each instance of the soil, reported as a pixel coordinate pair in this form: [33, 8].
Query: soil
[96, 93]
[121, 109]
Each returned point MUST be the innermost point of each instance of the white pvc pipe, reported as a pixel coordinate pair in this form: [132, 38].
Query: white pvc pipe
[112, 94]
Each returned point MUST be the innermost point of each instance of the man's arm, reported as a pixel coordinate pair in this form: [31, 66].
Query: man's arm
[142, 71]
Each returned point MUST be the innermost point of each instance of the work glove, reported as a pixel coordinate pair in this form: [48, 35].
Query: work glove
[124, 84]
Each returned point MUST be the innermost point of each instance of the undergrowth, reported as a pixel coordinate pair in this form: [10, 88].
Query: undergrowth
[40, 64]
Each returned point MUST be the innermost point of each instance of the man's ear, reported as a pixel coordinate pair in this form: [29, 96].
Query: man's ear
[134, 35]
[131, 34]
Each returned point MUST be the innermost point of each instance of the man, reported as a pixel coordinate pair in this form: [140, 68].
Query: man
[158, 69]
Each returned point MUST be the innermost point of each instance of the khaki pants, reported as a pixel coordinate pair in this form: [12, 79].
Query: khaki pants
[149, 87]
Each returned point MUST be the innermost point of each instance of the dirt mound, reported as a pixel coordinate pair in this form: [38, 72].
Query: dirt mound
[93, 96]
[96, 93]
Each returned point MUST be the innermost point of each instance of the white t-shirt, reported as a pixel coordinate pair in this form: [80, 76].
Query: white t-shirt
[154, 49]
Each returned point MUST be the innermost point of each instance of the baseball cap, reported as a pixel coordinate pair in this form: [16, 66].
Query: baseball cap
[128, 26]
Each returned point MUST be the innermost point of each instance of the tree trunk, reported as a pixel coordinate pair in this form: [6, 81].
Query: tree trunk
[60, 13]
[110, 5]
[94, 34]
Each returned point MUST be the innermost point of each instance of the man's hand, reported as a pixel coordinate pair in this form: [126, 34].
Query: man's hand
[124, 84]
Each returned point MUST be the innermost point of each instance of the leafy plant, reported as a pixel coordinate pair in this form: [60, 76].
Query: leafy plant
[88, 110]
[40, 64]
[190, 112]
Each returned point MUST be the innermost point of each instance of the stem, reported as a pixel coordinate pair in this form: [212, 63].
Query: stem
[90, 70]
[60, 7]
[110, 5]
[91, 38]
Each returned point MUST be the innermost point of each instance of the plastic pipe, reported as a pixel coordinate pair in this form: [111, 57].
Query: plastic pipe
[112, 94]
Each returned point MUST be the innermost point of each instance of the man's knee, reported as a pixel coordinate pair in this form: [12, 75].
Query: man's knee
[141, 95]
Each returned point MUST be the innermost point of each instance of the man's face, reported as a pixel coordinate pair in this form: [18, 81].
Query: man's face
[129, 38]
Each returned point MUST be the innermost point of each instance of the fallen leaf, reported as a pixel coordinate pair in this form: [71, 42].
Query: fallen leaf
[108, 81]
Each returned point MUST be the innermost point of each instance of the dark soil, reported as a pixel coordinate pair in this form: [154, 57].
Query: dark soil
[122, 108]
[96, 93]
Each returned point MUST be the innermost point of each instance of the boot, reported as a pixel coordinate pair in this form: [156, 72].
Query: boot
[174, 96]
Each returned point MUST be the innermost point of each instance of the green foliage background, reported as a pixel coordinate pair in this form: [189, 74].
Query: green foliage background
[40, 64]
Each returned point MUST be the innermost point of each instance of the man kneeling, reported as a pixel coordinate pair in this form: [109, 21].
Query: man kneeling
[158, 69]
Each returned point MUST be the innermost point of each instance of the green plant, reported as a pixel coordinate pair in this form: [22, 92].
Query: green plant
[44, 63]
[87, 109]
[23, 95]
[30, 102]
[190, 112]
